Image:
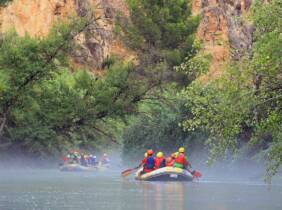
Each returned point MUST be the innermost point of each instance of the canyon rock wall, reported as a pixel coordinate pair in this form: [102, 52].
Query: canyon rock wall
[222, 30]
[223, 33]
[36, 17]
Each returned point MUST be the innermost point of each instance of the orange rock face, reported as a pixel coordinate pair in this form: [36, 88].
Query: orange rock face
[196, 7]
[221, 30]
[36, 17]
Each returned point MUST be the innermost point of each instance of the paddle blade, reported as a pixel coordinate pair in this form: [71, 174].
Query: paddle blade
[196, 174]
[126, 172]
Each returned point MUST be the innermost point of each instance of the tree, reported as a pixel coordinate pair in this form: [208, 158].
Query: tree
[44, 108]
[161, 33]
[4, 3]
[157, 127]
[266, 65]
[244, 105]
[27, 62]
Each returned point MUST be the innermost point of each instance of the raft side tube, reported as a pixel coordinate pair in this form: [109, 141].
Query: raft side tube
[165, 174]
[76, 167]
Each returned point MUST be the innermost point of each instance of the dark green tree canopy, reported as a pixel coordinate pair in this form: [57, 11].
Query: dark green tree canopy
[45, 108]
[243, 107]
[161, 33]
[4, 2]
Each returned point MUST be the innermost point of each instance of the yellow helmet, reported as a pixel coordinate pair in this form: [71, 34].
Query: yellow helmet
[181, 150]
[160, 154]
[145, 155]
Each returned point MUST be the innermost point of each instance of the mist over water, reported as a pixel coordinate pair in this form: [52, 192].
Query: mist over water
[30, 188]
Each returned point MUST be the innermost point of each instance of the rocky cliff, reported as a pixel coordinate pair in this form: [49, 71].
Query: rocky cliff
[36, 17]
[222, 31]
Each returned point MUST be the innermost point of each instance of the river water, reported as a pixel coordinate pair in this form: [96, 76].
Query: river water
[55, 190]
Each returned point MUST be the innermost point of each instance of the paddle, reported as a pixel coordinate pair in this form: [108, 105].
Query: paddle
[196, 174]
[127, 172]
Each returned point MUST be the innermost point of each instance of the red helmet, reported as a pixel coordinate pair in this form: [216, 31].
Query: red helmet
[150, 152]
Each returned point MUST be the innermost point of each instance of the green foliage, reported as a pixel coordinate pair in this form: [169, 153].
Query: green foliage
[156, 21]
[157, 127]
[161, 32]
[245, 103]
[266, 17]
[271, 127]
[266, 63]
[162, 35]
[196, 63]
[68, 111]
[27, 61]
[4, 3]
[26, 64]
[45, 109]
[216, 110]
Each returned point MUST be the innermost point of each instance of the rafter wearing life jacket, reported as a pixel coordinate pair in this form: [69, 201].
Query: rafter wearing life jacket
[144, 160]
[149, 162]
[181, 161]
[170, 160]
[159, 160]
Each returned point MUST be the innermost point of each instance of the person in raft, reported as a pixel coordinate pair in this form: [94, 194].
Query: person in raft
[144, 160]
[83, 160]
[149, 162]
[159, 160]
[170, 160]
[181, 161]
[105, 159]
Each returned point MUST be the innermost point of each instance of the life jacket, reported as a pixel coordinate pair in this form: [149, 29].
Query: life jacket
[150, 164]
[93, 160]
[65, 159]
[159, 162]
[105, 161]
[83, 161]
[143, 162]
[169, 162]
[180, 161]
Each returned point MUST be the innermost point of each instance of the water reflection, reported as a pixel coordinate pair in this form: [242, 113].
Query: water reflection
[163, 196]
[53, 189]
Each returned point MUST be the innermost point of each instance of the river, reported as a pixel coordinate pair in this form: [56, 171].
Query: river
[55, 190]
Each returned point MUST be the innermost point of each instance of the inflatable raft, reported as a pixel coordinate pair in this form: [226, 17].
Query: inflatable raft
[77, 167]
[165, 174]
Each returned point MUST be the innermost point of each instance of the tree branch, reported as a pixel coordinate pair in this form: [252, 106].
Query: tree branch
[3, 124]
[107, 135]
[32, 78]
